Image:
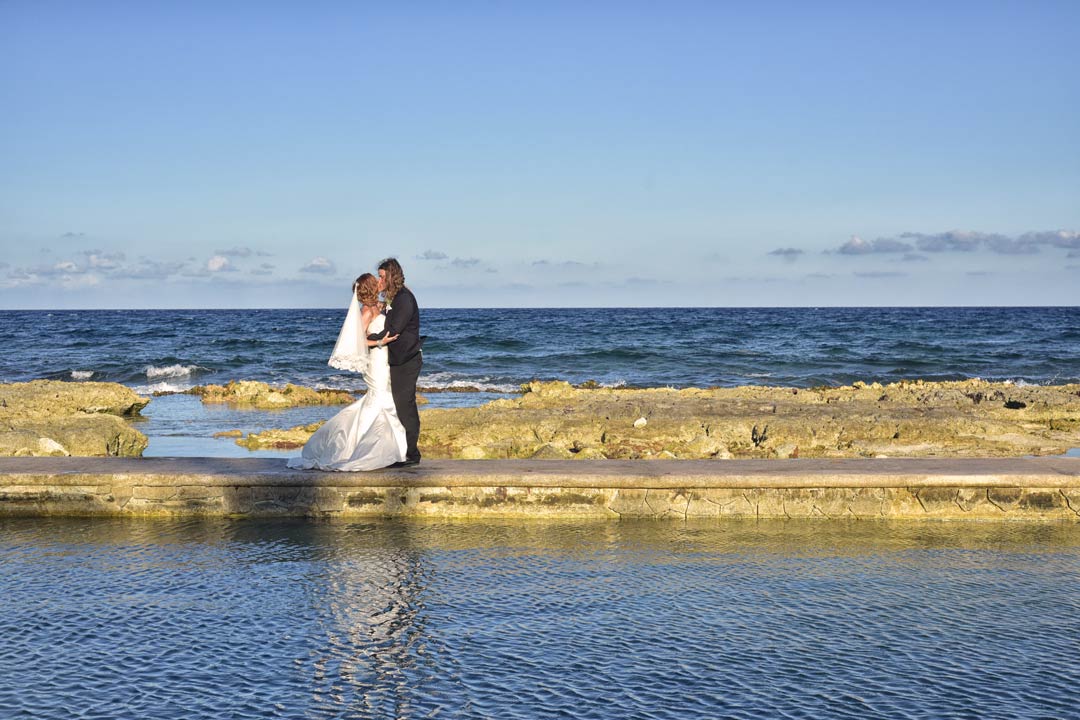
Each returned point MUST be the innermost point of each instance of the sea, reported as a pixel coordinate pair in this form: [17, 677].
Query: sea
[405, 618]
[472, 356]
[171, 618]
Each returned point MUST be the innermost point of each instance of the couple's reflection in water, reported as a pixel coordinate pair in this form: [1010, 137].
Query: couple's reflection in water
[378, 659]
[391, 618]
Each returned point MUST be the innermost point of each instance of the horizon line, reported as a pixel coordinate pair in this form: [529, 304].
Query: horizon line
[557, 307]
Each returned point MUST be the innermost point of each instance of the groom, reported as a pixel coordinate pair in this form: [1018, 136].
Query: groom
[402, 320]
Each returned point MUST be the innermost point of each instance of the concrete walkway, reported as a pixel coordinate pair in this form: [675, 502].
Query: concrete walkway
[1009, 488]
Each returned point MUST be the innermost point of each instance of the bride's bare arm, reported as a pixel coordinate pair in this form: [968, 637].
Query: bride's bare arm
[366, 316]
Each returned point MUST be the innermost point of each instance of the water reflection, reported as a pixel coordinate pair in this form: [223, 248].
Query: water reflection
[370, 601]
[396, 619]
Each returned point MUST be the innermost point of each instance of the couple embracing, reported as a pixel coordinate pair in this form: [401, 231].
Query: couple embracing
[382, 341]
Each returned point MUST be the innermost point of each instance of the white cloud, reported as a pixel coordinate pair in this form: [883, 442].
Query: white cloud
[220, 263]
[432, 255]
[17, 277]
[1069, 239]
[147, 269]
[964, 241]
[319, 265]
[103, 260]
[76, 282]
[857, 246]
[1010, 246]
[951, 241]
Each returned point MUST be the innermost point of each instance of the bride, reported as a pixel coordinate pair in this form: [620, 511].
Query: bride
[366, 435]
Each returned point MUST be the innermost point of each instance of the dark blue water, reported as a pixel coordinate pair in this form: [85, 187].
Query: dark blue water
[223, 619]
[498, 349]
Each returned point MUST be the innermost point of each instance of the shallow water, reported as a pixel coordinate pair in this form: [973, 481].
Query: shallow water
[393, 619]
[183, 426]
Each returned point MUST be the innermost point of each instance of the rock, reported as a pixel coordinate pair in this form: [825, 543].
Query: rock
[48, 446]
[279, 439]
[50, 417]
[19, 443]
[56, 397]
[229, 434]
[260, 395]
[556, 420]
[787, 450]
[472, 452]
[589, 453]
[551, 452]
[640, 422]
[920, 419]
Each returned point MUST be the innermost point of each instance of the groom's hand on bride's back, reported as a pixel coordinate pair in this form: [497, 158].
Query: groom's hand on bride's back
[382, 336]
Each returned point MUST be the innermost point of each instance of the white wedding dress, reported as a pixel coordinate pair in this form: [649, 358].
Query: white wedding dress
[366, 435]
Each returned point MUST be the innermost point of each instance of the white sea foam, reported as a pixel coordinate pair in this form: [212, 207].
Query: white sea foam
[347, 383]
[82, 374]
[170, 371]
[161, 387]
[447, 382]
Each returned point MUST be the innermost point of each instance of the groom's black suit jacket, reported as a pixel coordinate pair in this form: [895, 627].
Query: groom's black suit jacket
[403, 320]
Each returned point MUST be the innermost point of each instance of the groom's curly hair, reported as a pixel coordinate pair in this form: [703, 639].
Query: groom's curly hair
[366, 288]
[395, 277]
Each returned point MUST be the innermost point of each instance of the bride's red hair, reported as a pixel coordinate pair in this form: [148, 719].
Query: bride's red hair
[367, 289]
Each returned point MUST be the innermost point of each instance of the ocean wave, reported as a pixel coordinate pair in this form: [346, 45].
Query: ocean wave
[468, 386]
[161, 388]
[165, 371]
[446, 382]
[82, 374]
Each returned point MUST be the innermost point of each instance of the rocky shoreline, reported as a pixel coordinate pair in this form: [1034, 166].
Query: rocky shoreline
[55, 418]
[262, 396]
[552, 420]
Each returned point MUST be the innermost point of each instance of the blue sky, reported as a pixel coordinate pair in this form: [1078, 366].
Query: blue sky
[233, 154]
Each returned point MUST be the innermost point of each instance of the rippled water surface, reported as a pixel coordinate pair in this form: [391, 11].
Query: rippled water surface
[301, 619]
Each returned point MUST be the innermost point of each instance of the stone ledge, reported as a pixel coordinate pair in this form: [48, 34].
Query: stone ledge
[985, 489]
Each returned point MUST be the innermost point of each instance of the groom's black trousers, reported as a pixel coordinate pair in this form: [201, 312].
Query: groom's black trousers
[403, 387]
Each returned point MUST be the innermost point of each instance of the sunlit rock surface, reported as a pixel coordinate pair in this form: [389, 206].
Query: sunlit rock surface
[53, 418]
[969, 418]
[279, 439]
[263, 396]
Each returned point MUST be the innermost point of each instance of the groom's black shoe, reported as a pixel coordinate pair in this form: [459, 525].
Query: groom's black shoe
[403, 464]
